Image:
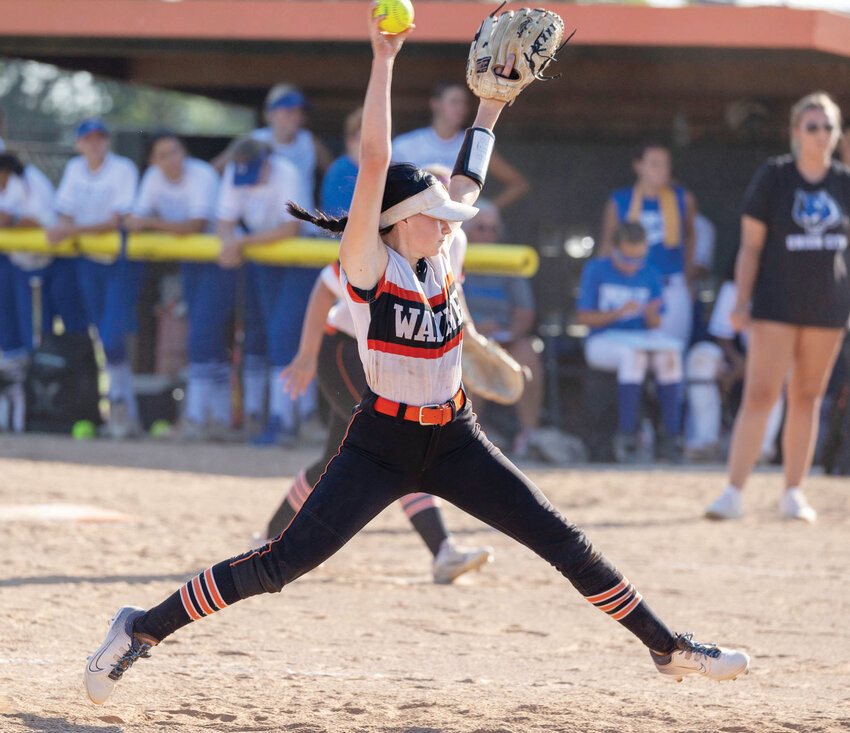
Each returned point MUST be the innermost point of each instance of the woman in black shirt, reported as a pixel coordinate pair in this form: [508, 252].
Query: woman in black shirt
[793, 297]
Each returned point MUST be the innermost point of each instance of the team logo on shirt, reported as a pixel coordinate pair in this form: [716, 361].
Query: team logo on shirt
[816, 213]
[614, 295]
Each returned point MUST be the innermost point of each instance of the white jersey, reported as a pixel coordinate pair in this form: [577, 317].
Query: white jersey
[192, 197]
[301, 152]
[29, 197]
[41, 201]
[423, 147]
[720, 325]
[409, 332]
[93, 197]
[261, 207]
[339, 316]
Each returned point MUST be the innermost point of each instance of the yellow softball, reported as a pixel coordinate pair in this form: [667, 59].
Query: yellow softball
[399, 15]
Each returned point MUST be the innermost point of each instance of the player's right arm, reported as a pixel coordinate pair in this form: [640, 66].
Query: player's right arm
[362, 253]
[298, 374]
[753, 236]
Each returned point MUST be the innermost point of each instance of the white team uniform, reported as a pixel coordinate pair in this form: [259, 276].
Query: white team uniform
[30, 196]
[409, 336]
[423, 147]
[92, 197]
[301, 152]
[703, 367]
[261, 207]
[339, 317]
[192, 197]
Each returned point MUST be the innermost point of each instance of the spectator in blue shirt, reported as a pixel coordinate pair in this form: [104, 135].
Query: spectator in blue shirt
[338, 184]
[620, 301]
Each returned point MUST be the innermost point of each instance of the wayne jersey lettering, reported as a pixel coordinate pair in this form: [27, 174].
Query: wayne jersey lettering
[409, 331]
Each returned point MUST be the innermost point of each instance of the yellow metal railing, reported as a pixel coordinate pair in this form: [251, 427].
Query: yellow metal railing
[491, 259]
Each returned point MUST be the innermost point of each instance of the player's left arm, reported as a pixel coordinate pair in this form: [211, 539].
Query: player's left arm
[462, 188]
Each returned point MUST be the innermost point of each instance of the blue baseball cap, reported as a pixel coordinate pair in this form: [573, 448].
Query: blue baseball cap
[286, 96]
[247, 172]
[93, 124]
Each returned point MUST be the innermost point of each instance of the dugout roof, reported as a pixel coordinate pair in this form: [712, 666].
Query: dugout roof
[630, 70]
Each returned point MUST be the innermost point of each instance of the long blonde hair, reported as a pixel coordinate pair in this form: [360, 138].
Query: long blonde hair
[823, 102]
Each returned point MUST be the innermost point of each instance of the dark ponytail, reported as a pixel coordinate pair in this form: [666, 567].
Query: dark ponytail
[330, 223]
[334, 224]
[11, 163]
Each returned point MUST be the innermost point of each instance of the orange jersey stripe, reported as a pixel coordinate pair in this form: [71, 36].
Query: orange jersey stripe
[213, 588]
[415, 351]
[357, 299]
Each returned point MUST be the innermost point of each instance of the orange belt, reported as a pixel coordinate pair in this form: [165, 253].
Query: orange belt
[426, 414]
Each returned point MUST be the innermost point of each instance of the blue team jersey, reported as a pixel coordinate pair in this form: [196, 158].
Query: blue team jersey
[604, 288]
[668, 260]
[338, 187]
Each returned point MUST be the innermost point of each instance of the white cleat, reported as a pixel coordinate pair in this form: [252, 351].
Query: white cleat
[726, 506]
[709, 660]
[115, 656]
[451, 562]
[794, 505]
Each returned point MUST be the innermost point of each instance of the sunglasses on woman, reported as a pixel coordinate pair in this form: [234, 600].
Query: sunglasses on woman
[814, 127]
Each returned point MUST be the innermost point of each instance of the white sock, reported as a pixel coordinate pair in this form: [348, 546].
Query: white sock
[219, 405]
[254, 376]
[121, 387]
[198, 395]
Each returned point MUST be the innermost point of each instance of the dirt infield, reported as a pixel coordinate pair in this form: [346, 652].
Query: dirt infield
[368, 643]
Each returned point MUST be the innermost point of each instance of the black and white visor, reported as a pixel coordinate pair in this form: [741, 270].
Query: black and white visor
[433, 201]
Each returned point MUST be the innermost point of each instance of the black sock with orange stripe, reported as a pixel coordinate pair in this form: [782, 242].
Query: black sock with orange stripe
[623, 603]
[206, 593]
